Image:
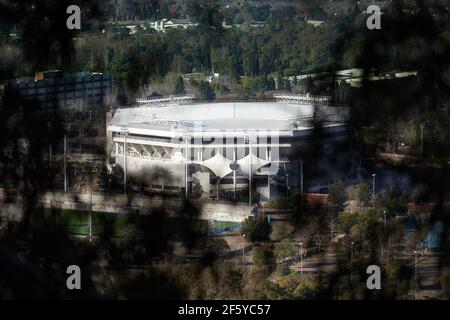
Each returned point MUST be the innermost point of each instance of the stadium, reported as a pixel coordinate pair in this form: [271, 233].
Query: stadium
[177, 144]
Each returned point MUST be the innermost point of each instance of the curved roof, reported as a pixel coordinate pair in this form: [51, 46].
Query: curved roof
[217, 116]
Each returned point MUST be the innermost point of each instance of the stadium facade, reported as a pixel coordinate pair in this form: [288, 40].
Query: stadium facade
[173, 143]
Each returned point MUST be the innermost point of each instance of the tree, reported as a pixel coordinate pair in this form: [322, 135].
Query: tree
[337, 197]
[394, 200]
[270, 84]
[263, 258]
[256, 230]
[300, 212]
[212, 249]
[179, 86]
[347, 221]
[165, 14]
[206, 92]
[294, 286]
[284, 249]
[309, 85]
[364, 193]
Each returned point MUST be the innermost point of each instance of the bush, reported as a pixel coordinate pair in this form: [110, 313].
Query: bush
[256, 230]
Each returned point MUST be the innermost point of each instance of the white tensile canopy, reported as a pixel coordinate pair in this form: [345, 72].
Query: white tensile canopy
[251, 161]
[219, 165]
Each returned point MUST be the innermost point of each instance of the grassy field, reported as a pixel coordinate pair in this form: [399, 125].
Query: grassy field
[121, 225]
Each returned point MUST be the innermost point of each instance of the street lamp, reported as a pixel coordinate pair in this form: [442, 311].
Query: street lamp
[415, 267]
[49, 145]
[287, 185]
[249, 141]
[301, 176]
[124, 134]
[90, 170]
[351, 260]
[301, 258]
[422, 126]
[384, 213]
[67, 125]
[373, 190]
[217, 184]
[186, 164]
[243, 253]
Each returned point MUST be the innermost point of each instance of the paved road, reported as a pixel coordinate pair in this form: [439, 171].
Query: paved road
[429, 276]
[114, 203]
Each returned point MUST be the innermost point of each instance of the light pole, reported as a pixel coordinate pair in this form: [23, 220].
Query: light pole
[49, 145]
[50, 155]
[65, 162]
[81, 134]
[217, 185]
[65, 156]
[415, 267]
[90, 170]
[268, 174]
[384, 213]
[234, 174]
[90, 207]
[249, 141]
[243, 254]
[301, 176]
[287, 185]
[250, 174]
[373, 190]
[422, 126]
[186, 167]
[301, 258]
[124, 133]
[351, 260]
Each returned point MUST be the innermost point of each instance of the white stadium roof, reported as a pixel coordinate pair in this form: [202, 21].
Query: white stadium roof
[229, 116]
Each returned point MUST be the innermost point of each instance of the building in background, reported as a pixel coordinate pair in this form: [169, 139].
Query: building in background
[54, 89]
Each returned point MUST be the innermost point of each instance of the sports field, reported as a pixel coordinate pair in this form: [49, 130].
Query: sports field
[122, 225]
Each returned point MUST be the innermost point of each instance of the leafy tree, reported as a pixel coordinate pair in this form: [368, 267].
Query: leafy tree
[346, 222]
[165, 14]
[337, 197]
[212, 249]
[284, 249]
[364, 194]
[270, 84]
[394, 200]
[309, 85]
[263, 258]
[179, 86]
[294, 286]
[206, 92]
[256, 230]
[301, 211]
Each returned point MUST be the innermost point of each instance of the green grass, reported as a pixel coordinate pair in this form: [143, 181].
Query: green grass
[77, 222]
[120, 225]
